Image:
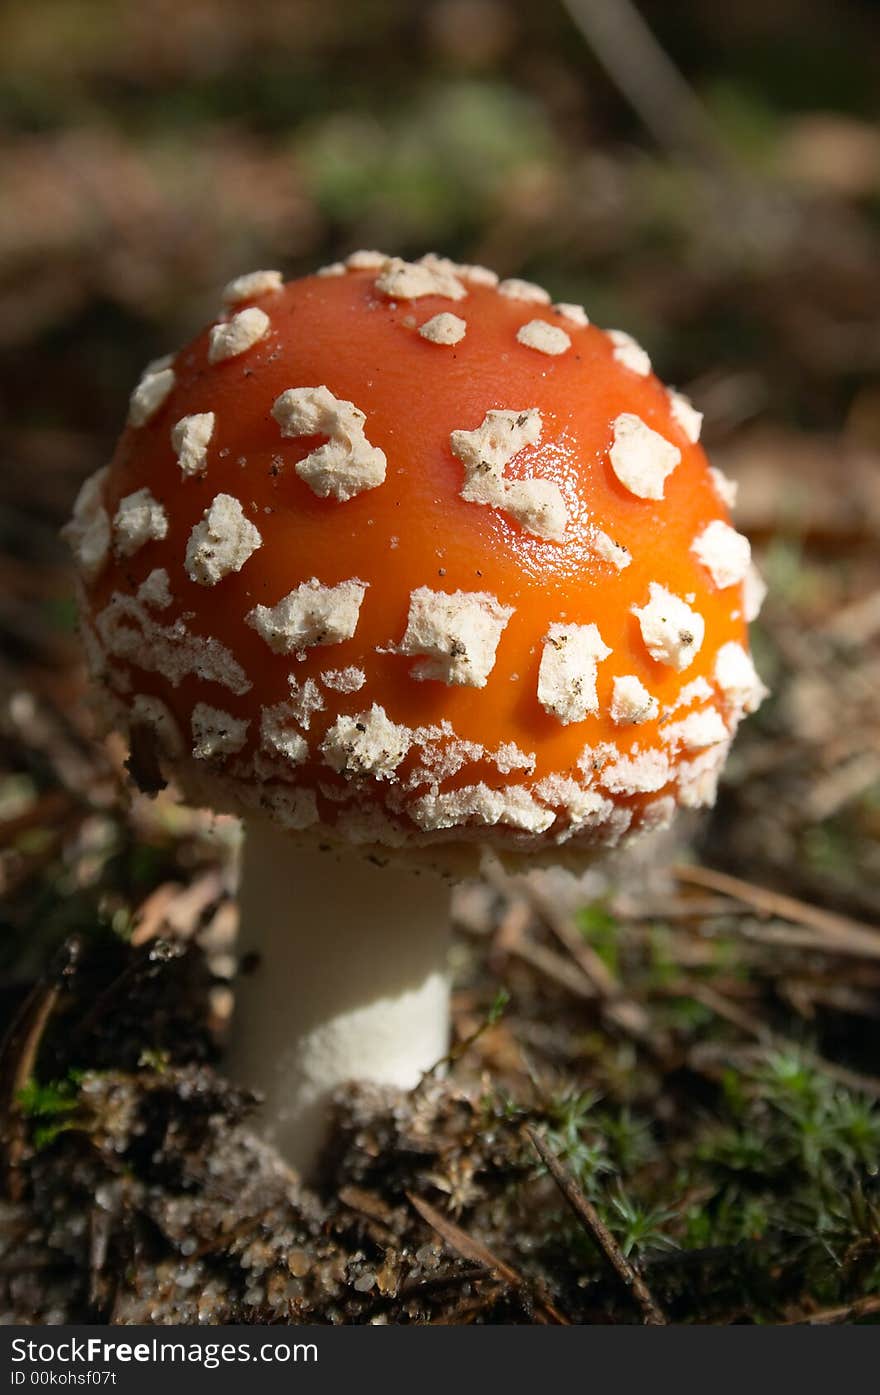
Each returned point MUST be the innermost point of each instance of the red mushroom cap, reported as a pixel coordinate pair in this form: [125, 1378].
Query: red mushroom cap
[404, 555]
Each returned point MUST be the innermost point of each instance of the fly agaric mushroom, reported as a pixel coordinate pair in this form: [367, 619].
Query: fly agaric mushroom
[396, 561]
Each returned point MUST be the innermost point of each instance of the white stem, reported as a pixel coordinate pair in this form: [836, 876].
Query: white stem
[349, 980]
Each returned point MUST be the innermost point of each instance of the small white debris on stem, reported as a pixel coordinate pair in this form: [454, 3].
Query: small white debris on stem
[221, 543]
[641, 458]
[568, 670]
[348, 464]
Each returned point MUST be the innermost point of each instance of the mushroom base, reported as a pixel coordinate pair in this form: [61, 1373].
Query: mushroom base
[343, 977]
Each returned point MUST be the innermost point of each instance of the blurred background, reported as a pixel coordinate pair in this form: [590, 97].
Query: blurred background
[705, 175]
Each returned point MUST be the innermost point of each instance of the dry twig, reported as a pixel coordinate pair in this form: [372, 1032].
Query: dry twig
[837, 928]
[596, 1227]
[647, 78]
[476, 1251]
[827, 1317]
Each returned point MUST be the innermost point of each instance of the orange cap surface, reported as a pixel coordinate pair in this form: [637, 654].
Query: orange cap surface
[403, 554]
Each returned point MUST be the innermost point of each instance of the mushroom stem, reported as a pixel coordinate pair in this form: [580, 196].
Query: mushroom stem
[349, 980]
